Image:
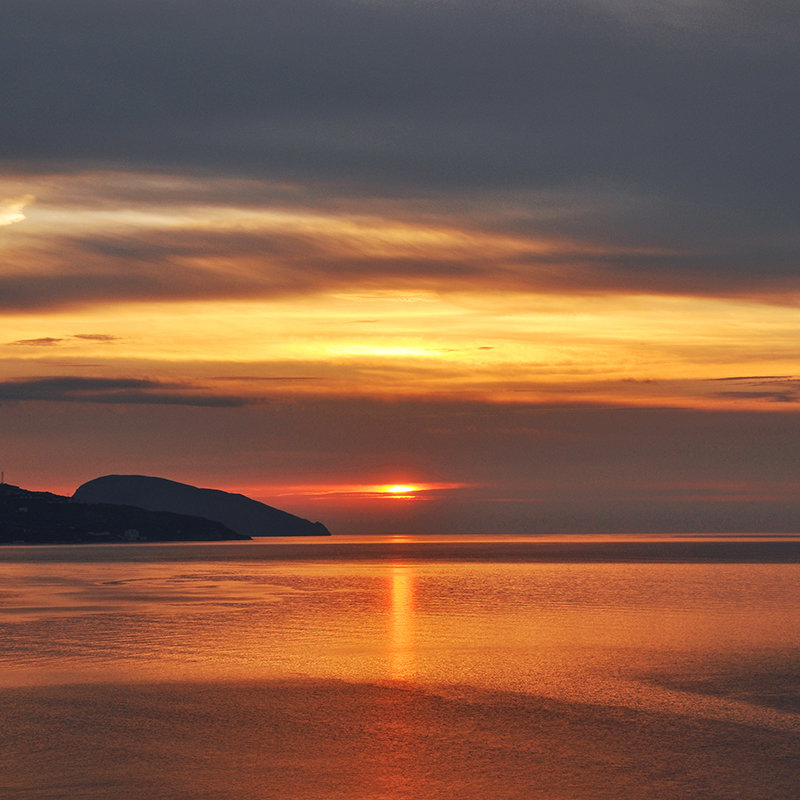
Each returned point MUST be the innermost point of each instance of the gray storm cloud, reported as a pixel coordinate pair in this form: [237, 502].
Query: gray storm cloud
[688, 114]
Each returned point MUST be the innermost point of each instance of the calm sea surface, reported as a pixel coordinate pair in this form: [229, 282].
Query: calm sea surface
[358, 668]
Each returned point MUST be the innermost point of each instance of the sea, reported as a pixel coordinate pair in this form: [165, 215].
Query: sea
[437, 667]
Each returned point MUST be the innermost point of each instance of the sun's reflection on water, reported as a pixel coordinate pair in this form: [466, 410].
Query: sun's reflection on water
[401, 609]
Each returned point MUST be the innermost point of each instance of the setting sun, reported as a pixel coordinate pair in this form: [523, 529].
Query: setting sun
[399, 488]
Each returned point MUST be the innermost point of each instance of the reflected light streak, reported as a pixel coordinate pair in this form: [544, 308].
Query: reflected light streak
[401, 643]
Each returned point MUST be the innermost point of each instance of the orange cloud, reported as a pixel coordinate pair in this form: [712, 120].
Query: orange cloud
[265, 298]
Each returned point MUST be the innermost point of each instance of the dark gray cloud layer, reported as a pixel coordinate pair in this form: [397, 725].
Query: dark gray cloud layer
[450, 92]
[688, 115]
[116, 391]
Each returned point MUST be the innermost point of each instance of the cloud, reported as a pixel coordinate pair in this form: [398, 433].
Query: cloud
[772, 397]
[756, 378]
[773, 388]
[51, 341]
[96, 337]
[224, 252]
[272, 254]
[11, 210]
[120, 391]
[678, 121]
[44, 341]
[593, 147]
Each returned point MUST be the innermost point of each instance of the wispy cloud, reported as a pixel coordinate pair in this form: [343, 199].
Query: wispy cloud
[766, 388]
[122, 391]
[96, 337]
[52, 341]
[788, 396]
[44, 341]
[756, 378]
[191, 253]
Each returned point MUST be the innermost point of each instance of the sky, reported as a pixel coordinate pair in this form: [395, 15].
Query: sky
[536, 262]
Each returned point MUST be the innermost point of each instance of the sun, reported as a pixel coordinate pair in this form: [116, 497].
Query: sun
[399, 490]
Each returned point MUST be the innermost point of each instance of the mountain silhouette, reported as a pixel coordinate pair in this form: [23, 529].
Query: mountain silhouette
[28, 517]
[239, 513]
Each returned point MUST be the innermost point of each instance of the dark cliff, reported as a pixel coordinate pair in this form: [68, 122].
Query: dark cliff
[237, 512]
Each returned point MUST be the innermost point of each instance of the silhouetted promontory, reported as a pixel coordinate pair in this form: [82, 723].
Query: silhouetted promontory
[44, 518]
[237, 512]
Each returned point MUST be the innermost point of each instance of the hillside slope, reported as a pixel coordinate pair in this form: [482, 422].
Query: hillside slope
[237, 512]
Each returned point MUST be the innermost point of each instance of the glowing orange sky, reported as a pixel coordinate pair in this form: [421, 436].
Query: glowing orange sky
[148, 298]
[228, 318]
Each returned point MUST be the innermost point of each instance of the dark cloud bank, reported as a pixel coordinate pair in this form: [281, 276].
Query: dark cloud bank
[668, 125]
